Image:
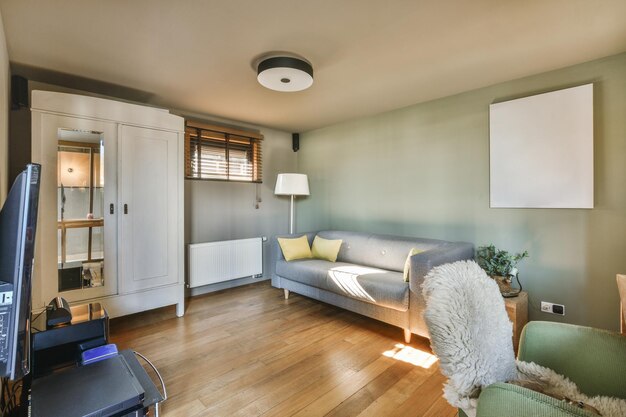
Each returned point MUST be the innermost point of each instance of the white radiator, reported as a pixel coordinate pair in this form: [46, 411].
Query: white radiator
[223, 261]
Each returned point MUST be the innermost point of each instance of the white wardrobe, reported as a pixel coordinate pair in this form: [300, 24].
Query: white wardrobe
[111, 208]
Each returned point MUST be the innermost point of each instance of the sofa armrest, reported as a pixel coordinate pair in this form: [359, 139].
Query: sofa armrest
[423, 262]
[506, 400]
[593, 359]
[278, 253]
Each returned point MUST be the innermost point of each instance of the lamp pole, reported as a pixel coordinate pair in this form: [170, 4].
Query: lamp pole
[291, 215]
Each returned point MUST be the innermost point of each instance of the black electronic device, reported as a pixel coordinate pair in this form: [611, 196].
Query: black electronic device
[19, 92]
[58, 312]
[295, 141]
[105, 388]
[18, 223]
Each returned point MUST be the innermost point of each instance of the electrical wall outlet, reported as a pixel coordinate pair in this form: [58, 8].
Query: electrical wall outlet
[553, 308]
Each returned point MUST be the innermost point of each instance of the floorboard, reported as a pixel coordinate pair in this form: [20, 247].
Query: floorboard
[247, 351]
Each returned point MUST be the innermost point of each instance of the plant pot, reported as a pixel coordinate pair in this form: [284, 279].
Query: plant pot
[504, 283]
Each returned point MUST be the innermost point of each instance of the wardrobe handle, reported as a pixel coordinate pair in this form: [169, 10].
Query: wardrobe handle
[111, 209]
[125, 208]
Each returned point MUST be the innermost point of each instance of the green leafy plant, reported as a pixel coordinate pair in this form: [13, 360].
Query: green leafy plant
[498, 262]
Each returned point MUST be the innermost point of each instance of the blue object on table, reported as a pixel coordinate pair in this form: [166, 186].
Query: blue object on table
[98, 353]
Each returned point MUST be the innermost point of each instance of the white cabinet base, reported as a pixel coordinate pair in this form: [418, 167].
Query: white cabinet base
[124, 304]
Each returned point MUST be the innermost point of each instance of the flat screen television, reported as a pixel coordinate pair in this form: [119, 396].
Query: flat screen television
[18, 223]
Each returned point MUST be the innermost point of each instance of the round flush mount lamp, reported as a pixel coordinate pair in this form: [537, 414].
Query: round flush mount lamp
[285, 73]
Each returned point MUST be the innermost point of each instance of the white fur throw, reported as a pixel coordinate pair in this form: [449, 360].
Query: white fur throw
[472, 337]
[469, 329]
[555, 384]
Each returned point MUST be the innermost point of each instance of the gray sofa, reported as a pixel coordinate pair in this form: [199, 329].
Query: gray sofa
[368, 275]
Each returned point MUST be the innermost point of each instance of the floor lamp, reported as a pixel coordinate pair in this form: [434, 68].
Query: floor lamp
[292, 185]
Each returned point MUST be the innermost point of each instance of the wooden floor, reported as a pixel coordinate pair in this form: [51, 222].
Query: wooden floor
[248, 352]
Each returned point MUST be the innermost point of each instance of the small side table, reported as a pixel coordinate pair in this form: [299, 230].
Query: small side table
[517, 310]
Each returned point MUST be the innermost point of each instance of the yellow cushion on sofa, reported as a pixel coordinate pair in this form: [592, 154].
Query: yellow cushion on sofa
[295, 248]
[326, 249]
[407, 264]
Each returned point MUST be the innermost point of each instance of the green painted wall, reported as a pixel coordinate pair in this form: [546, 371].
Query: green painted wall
[424, 171]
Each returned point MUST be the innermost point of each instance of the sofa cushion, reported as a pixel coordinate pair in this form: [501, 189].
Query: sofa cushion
[407, 263]
[378, 251]
[372, 285]
[311, 272]
[325, 249]
[295, 248]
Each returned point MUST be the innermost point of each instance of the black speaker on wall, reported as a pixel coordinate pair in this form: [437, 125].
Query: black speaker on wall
[295, 141]
[19, 92]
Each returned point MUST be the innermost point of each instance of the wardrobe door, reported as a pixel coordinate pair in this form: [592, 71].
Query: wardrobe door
[76, 252]
[148, 184]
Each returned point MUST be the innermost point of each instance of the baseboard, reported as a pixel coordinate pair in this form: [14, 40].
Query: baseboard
[205, 289]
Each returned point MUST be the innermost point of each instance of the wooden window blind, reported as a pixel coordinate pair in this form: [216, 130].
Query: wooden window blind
[220, 153]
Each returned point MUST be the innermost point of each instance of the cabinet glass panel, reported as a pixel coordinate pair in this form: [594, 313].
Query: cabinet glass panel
[80, 208]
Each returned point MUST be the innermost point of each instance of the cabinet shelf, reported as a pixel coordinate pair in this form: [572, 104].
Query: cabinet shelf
[78, 223]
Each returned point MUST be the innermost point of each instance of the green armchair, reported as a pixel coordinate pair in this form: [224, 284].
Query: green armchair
[593, 359]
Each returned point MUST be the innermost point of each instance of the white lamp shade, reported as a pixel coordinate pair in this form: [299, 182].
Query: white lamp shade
[285, 79]
[292, 184]
[285, 73]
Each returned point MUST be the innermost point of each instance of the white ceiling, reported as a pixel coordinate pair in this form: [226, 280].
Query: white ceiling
[368, 56]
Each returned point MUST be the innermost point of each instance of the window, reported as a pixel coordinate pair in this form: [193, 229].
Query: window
[219, 153]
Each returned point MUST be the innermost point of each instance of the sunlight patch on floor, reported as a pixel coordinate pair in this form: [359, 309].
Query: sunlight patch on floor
[411, 355]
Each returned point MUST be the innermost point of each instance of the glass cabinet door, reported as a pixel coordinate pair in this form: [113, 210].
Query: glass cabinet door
[80, 209]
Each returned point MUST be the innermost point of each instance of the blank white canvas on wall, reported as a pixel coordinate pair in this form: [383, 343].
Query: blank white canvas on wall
[541, 150]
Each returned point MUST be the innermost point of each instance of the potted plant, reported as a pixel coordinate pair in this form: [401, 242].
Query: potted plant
[499, 265]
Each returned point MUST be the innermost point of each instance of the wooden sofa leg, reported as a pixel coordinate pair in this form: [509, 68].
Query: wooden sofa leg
[407, 336]
[286, 293]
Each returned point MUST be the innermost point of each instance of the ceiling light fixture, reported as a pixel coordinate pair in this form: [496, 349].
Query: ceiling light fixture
[285, 73]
